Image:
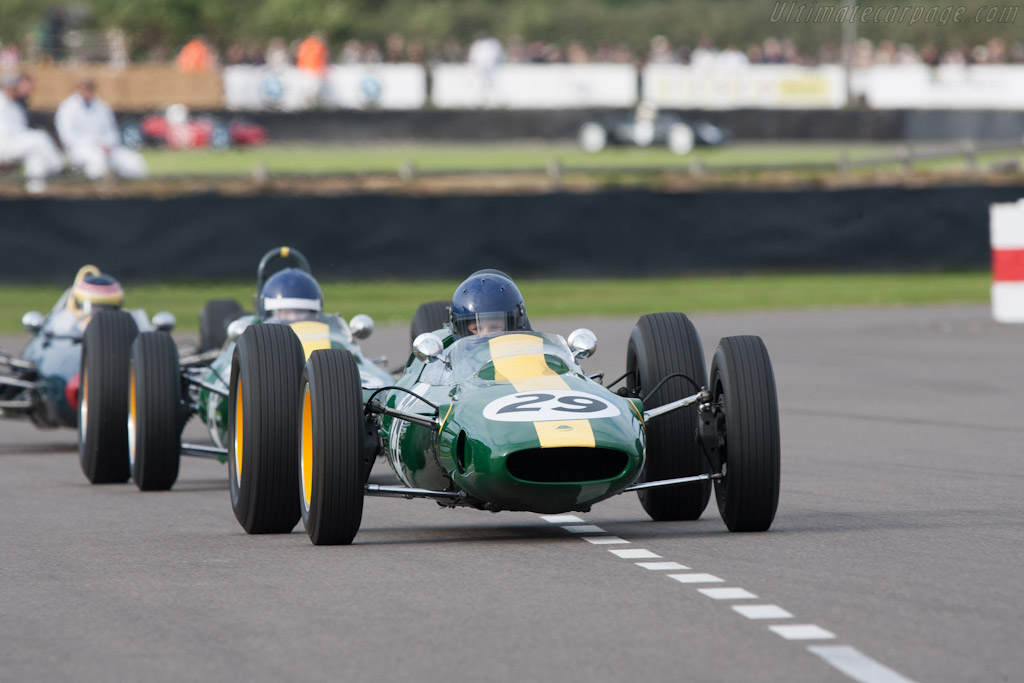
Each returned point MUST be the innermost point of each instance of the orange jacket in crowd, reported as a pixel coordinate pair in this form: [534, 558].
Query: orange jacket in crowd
[312, 56]
[195, 57]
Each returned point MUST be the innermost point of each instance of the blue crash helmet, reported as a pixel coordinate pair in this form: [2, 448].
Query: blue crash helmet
[487, 302]
[289, 295]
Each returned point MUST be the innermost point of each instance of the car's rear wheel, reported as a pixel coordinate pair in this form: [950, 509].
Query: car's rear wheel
[429, 317]
[666, 345]
[103, 401]
[332, 465]
[154, 412]
[214, 319]
[681, 138]
[743, 392]
[263, 418]
[592, 137]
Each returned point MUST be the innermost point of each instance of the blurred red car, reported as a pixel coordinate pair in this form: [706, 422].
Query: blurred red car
[176, 129]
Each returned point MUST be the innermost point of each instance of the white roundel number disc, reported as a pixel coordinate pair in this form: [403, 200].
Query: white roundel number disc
[548, 405]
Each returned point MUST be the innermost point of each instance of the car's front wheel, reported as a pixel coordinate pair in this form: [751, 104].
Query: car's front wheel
[154, 412]
[665, 362]
[332, 462]
[103, 399]
[263, 418]
[747, 410]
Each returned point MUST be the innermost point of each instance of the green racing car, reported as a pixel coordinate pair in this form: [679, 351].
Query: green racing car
[491, 414]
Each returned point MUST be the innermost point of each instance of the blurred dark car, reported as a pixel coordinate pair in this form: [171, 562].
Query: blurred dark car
[176, 129]
[646, 127]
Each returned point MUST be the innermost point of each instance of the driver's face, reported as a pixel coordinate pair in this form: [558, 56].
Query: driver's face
[292, 314]
[486, 327]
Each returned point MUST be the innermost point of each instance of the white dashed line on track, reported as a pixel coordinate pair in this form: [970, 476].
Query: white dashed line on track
[857, 665]
[727, 593]
[762, 612]
[634, 554]
[802, 632]
[663, 566]
[562, 519]
[603, 540]
[848, 660]
[695, 578]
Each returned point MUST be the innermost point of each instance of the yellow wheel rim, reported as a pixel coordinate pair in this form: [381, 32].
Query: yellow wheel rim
[307, 449]
[131, 417]
[239, 426]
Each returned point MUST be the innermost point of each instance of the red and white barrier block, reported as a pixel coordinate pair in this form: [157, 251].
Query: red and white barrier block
[1006, 227]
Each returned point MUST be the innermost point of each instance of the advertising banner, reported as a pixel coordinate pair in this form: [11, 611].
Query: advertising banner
[534, 86]
[349, 86]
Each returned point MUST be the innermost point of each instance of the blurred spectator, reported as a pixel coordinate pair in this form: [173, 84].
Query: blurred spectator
[351, 52]
[731, 58]
[18, 142]
[53, 33]
[88, 132]
[196, 56]
[772, 52]
[661, 51]
[416, 51]
[575, 53]
[10, 59]
[515, 50]
[277, 54]
[705, 54]
[372, 54]
[486, 52]
[394, 48]
[312, 55]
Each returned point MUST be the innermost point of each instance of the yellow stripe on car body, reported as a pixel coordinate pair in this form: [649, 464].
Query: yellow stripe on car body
[519, 359]
[313, 335]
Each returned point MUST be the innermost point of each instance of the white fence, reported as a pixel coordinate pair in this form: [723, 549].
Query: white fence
[566, 86]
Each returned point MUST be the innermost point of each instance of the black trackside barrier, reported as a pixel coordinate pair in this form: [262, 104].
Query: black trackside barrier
[615, 233]
[745, 124]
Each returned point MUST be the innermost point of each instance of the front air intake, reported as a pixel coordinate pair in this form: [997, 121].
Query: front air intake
[563, 465]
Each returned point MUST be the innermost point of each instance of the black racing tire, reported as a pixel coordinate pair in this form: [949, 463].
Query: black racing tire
[743, 388]
[214, 319]
[662, 344]
[103, 398]
[332, 467]
[263, 424]
[429, 317]
[154, 407]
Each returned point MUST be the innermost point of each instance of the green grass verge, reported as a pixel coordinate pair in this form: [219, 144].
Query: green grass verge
[387, 158]
[391, 302]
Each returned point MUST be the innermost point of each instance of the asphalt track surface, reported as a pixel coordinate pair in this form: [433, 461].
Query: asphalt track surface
[898, 547]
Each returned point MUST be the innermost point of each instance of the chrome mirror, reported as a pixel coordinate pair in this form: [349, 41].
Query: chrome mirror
[361, 326]
[33, 321]
[237, 327]
[427, 347]
[164, 321]
[582, 343]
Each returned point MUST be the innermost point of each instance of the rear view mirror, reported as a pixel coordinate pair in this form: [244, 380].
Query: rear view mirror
[582, 343]
[164, 321]
[427, 347]
[32, 321]
[361, 326]
[237, 327]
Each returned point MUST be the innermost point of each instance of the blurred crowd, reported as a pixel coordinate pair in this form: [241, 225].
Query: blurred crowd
[315, 53]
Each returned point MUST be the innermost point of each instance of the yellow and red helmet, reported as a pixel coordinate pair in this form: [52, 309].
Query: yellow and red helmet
[94, 290]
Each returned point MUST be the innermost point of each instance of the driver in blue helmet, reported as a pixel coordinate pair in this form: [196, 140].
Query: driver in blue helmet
[290, 295]
[487, 302]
